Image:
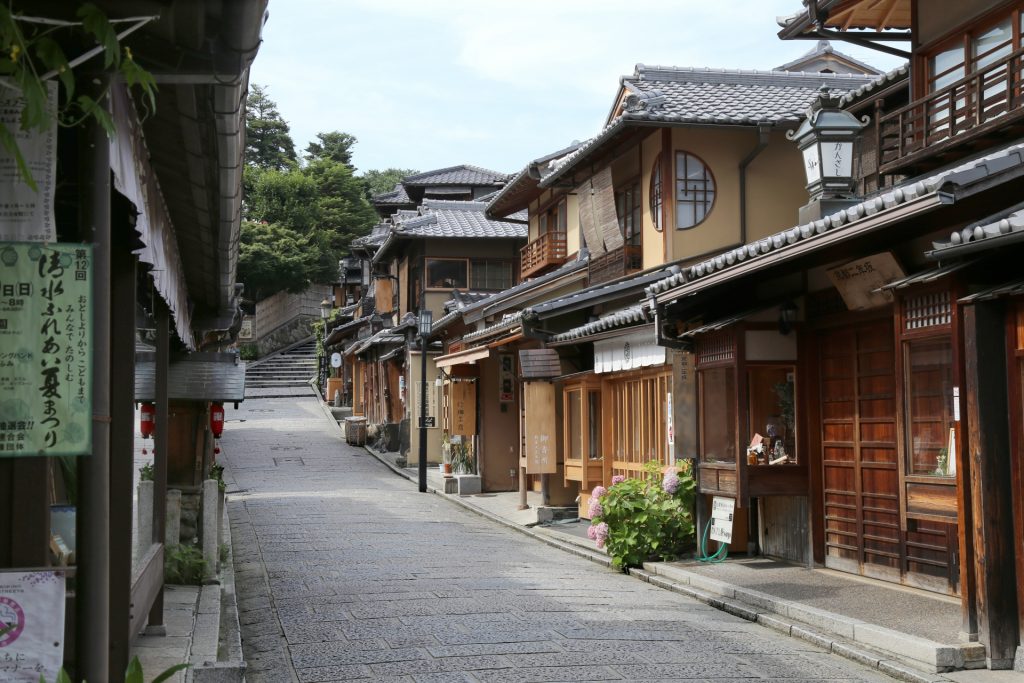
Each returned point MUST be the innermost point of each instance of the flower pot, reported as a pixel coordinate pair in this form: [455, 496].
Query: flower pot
[446, 469]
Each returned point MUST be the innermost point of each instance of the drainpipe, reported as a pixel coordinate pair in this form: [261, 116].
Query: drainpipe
[763, 132]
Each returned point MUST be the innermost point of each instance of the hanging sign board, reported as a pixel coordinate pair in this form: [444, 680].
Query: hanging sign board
[428, 419]
[45, 349]
[26, 215]
[670, 428]
[541, 444]
[506, 378]
[722, 510]
[32, 609]
[335, 360]
[463, 405]
[859, 282]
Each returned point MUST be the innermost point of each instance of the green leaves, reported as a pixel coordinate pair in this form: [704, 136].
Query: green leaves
[95, 22]
[644, 521]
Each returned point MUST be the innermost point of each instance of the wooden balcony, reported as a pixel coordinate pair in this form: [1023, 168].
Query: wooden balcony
[970, 114]
[615, 264]
[544, 252]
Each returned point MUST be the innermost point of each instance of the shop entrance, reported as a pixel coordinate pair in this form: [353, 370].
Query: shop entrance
[860, 402]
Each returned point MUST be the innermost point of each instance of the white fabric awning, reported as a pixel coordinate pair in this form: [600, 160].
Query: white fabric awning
[467, 357]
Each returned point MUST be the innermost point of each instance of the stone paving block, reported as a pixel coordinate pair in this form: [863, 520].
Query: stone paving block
[431, 665]
[558, 673]
[526, 647]
[334, 673]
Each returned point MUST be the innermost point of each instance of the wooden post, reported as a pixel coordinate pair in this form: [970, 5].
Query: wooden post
[991, 495]
[161, 442]
[122, 448]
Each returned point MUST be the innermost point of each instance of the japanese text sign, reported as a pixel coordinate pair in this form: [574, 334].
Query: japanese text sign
[722, 510]
[32, 612]
[27, 214]
[45, 349]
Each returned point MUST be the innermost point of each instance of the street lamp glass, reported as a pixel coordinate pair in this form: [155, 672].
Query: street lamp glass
[325, 308]
[425, 322]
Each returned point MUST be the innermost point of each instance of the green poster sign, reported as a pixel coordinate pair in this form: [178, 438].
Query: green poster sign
[45, 349]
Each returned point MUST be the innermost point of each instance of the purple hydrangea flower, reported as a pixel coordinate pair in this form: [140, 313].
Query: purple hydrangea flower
[592, 532]
[670, 484]
[618, 479]
[600, 534]
[595, 508]
[598, 492]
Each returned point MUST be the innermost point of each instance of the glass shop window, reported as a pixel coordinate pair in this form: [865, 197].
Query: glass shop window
[930, 426]
[772, 410]
[717, 388]
[446, 273]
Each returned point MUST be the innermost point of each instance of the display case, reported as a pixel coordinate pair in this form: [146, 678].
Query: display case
[581, 433]
[747, 413]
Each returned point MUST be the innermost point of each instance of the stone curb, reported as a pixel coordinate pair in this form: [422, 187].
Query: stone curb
[897, 654]
[725, 601]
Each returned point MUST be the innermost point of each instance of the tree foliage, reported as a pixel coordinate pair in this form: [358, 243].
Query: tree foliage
[381, 181]
[268, 141]
[298, 220]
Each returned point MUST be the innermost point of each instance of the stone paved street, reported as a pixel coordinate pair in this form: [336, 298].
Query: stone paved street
[346, 572]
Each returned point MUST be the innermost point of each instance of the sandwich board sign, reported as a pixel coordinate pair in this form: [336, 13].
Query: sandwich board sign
[722, 510]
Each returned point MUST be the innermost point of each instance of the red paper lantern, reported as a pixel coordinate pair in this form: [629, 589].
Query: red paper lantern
[147, 419]
[217, 419]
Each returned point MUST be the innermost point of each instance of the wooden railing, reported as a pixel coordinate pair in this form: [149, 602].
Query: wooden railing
[547, 250]
[615, 264]
[916, 136]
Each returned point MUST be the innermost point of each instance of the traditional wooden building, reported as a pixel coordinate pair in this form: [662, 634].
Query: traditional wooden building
[872, 350]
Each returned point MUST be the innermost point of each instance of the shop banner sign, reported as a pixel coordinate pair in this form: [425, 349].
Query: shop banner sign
[722, 510]
[26, 215]
[45, 349]
[32, 618]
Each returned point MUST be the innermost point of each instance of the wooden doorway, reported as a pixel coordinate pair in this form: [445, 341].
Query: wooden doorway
[860, 458]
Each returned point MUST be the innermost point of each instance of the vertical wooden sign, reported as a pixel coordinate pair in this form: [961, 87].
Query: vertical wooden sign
[463, 407]
[540, 429]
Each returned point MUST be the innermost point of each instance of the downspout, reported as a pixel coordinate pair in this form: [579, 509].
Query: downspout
[763, 135]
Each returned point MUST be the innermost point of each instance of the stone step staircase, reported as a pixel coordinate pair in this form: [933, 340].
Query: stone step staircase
[291, 368]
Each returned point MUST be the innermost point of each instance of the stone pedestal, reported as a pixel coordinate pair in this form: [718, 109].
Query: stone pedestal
[211, 499]
[468, 484]
[144, 520]
[172, 525]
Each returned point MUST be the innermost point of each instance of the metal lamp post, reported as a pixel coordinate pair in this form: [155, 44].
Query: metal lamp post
[325, 310]
[426, 319]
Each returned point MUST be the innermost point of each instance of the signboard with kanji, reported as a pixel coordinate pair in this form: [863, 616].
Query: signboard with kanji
[463, 403]
[540, 426]
[32, 616]
[45, 349]
[26, 213]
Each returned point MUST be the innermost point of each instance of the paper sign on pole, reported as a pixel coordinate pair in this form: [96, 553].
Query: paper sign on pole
[45, 349]
[722, 510]
[32, 608]
[26, 215]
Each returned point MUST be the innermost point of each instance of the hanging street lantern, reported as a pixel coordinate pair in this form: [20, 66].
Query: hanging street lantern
[147, 421]
[826, 140]
[217, 424]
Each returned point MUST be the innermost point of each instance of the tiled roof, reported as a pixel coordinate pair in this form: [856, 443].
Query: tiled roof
[455, 305]
[674, 95]
[900, 73]
[441, 218]
[385, 336]
[507, 322]
[988, 233]
[198, 377]
[464, 174]
[343, 332]
[375, 238]
[395, 196]
[824, 47]
[626, 317]
[527, 180]
[591, 295]
[970, 171]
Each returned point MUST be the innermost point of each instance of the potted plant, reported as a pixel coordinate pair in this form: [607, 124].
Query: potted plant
[462, 459]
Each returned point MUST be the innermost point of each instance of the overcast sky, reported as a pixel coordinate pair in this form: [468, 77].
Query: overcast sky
[426, 84]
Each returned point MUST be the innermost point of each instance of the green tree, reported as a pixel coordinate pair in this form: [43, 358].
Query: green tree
[344, 212]
[289, 198]
[379, 182]
[273, 258]
[334, 146]
[268, 142]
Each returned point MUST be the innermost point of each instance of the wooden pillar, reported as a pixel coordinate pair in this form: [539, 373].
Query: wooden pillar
[160, 442]
[25, 507]
[122, 447]
[92, 595]
[991, 494]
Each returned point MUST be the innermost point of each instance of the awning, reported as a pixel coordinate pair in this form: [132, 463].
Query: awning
[1005, 289]
[466, 357]
[196, 377]
[925, 276]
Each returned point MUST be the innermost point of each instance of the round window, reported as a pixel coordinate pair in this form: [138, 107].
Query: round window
[695, 190]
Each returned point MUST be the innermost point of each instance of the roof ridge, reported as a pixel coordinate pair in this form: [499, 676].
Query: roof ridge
[645, 71]
[447, 169]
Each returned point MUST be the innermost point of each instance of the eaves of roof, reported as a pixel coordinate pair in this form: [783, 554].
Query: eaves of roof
[576, 268]
[596, 294]
[913, 197]
[898, 76]
[631, 316]
[507, 323]
[992, 232]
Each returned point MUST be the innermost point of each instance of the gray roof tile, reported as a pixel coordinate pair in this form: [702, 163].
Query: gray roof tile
[441, 218]
[463, 174]
[630, 316]
[983, 234]
[199, 377]
[395, 196]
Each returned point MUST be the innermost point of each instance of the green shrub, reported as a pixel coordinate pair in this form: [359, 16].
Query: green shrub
[132, 675]
[146, 472]
[248, 352]
[217, 473]
[645, 519]
[184, 565]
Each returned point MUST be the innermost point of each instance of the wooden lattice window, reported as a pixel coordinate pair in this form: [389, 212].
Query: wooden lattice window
[638, 407]
[716, 347]
[933, 309]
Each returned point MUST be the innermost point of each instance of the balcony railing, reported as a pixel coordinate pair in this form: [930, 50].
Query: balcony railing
[547, 250]
[615, 264]
[984, 103]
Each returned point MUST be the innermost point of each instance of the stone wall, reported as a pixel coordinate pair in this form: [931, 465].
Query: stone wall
[291, 332]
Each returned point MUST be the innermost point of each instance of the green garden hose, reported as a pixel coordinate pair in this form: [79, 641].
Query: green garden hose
[719, 555]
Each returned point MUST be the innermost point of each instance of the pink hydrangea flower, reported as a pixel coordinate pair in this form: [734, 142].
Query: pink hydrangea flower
[670, 483]
[592, 532]
[595, 508]
[600, 534]
[598, 492]
[618, 479]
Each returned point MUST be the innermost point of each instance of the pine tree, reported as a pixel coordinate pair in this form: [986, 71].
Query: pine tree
[268, 143]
